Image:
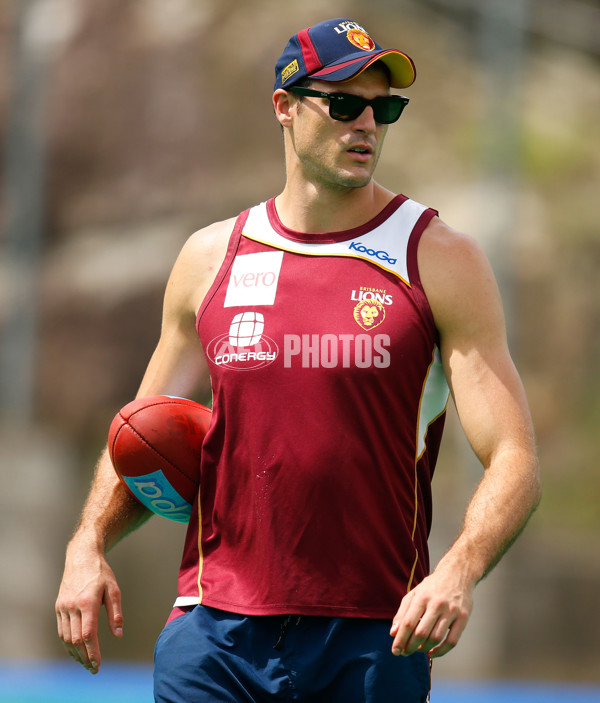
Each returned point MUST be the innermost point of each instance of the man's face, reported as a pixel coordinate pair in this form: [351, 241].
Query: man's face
[338, 154]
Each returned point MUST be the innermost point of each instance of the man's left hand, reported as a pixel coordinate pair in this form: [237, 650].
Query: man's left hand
[432, 616]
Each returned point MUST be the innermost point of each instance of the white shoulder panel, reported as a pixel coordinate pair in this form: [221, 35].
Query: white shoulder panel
[385, 245]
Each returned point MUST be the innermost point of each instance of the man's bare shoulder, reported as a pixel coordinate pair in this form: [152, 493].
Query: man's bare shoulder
[440, 241]
[455, 273]
[205, 250]
[210, 243]
[198, 264]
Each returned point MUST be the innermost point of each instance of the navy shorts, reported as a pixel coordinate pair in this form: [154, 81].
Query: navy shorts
[212, 656]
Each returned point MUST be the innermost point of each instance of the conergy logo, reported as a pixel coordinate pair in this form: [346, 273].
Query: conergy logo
[381, 255]
[245, 346]
[222, 353]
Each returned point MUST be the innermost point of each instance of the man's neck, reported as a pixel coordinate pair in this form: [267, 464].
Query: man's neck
[326, 210]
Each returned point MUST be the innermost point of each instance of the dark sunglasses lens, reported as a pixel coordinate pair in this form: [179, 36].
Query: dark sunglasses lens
[387, 110]
[348, 107]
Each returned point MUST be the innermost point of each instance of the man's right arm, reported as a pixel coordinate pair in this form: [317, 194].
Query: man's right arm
[88, 581]
[177, 367]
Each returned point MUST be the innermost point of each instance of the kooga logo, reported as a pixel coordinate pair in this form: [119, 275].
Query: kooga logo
[381, 255]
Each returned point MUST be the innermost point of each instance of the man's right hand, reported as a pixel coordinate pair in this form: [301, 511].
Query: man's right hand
[88, 582]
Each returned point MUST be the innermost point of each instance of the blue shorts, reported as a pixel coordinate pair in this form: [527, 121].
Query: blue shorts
[212, 656]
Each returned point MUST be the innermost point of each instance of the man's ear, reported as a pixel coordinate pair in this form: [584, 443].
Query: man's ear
[283, 102]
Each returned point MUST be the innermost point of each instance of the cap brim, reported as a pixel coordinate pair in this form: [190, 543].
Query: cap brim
[401, 66]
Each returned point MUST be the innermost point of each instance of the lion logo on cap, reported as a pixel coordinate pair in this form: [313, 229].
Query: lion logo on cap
[361, 39]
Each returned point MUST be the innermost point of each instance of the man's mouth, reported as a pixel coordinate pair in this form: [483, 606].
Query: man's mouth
[361, 153]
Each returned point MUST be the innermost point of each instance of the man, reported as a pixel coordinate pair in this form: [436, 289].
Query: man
[329, 319]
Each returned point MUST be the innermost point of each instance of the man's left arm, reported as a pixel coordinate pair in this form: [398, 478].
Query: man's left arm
[494, 414]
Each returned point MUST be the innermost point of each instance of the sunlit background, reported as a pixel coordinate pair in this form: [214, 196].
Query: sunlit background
[126, 126]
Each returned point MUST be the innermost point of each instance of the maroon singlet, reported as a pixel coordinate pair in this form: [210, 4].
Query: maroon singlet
[329, 401]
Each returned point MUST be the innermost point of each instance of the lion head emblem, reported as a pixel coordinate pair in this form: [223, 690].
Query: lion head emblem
[369, 313]
[361, 39]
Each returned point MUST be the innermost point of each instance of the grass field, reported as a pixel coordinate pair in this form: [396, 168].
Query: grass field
[64, 682]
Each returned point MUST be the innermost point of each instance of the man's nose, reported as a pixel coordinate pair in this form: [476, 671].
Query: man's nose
[366, 120]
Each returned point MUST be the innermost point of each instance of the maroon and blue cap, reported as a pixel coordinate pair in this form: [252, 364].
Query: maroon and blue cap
[337, 50]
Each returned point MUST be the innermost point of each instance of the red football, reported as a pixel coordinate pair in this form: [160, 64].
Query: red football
[155, 444]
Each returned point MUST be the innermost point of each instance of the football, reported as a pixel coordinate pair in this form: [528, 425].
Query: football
[155, 445]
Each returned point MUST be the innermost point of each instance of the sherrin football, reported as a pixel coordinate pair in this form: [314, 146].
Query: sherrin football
[155, 444]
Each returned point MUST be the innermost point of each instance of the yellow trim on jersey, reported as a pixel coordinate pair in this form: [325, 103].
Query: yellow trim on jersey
[200, 553]
[433, 402]
[437, 399]
[412, 572]
[321, 253]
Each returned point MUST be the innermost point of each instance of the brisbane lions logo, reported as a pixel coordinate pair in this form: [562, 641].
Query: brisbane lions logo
[369, 313]
[361, 39]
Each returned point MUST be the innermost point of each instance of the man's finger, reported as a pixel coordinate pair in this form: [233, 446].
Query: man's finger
[424, 635]
[89, 639]
[405, 604]
[70, 633]
[66, 629]
[112, 602]
[451, 639]
[442, 649]
[405, 630]
[59, 626]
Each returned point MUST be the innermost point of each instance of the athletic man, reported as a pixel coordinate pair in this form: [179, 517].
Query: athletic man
[332, 320]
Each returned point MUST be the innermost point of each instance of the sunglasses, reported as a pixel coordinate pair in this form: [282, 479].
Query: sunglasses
[346, 107]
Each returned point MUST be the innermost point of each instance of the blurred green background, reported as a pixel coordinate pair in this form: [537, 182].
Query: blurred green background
[126, 126]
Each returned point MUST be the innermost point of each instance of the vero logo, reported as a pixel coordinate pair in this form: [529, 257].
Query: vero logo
[253, 279]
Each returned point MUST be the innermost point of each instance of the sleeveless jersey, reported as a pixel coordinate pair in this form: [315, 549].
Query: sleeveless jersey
[328, 406]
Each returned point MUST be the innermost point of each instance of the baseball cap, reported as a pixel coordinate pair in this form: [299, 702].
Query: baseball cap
[337, 50]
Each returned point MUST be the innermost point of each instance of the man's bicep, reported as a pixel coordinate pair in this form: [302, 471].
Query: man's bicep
[178, 365]
[490, 401]
[467, 309]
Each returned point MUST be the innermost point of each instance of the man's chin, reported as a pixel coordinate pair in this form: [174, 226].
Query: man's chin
[355, 180]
